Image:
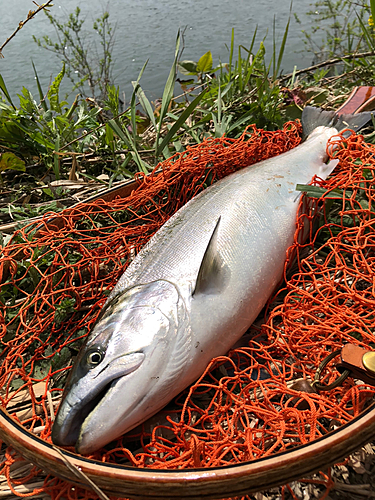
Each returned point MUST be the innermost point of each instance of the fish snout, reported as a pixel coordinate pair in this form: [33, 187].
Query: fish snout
[86, 393]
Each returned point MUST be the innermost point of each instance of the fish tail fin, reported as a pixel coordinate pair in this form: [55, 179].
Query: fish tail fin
[314, 117]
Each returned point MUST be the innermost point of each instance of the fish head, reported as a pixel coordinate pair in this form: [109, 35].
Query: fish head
[110, 384]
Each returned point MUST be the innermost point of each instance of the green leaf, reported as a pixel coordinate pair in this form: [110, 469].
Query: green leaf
[133, 105]
[5, 91]
[167, 93]
[145, 103]
[182, 118]
[169, 86]
[281, 52]
[372, 6]
[53, 92]
[11, 161]
[123, 134]
[27, 102]
[109, 136]
[35, 135]
[231, 54]
[219, 105]
[366, 33]
[41, 95]
[56, 158]
[318, 192]
[188, 67]
[205, 63]
[248, 116]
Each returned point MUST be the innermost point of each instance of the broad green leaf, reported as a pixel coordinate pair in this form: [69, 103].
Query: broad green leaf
[53, 92]
[11, 161]
[188, 67]
[205, 63]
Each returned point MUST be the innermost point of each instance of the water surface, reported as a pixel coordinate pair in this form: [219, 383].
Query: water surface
[146, 29]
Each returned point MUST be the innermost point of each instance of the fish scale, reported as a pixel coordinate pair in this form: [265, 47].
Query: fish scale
[239, 200]
[190, 293]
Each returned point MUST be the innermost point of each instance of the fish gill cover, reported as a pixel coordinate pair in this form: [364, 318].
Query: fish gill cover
[55, 278]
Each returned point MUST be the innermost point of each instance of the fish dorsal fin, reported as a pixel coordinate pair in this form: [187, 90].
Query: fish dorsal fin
[213, 272]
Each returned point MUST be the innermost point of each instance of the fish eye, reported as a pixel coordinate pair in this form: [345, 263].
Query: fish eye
[93, 358]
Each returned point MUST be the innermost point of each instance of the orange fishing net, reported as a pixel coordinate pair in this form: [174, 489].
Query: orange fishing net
[56, 275]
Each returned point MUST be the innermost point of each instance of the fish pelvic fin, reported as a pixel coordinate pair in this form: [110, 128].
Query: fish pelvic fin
[314, 117]
[213, 272]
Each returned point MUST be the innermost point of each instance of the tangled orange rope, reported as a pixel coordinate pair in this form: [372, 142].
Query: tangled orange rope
[246, 405]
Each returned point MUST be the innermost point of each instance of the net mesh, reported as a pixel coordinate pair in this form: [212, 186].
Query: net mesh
[55, 276]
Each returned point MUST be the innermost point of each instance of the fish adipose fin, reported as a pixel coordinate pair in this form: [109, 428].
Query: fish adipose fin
[314, 117]
[213, 273]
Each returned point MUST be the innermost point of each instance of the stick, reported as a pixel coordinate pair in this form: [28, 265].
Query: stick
[329, 62]
[21, 24]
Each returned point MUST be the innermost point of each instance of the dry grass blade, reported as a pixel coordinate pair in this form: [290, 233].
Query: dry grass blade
[81, 475]
[20, 469]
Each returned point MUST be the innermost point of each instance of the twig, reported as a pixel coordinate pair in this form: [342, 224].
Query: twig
[21, 24]
[329, 62]
[359, 489]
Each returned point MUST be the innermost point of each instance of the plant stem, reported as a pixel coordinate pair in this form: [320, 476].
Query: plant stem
[30, 15]
[329, 62]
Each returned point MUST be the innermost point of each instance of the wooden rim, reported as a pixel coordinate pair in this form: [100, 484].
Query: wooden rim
[233, 480]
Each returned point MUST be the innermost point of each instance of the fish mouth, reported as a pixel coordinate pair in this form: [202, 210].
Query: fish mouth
[90, 407]
[69, 436]
[71, 417]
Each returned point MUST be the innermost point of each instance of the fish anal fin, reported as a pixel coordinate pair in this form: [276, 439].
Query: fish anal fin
[213, 272]
[327, 168]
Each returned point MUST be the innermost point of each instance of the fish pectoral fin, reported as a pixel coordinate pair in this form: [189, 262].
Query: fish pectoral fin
[213, 273]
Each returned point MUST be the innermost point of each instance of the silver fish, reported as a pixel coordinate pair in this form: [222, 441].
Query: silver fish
[190, 294]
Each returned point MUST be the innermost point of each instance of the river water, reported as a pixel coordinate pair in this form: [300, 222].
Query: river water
[146, 29]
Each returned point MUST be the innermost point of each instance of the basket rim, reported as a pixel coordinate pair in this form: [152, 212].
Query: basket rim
[231, 480]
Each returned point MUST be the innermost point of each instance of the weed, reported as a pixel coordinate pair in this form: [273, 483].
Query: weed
[80, 56]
